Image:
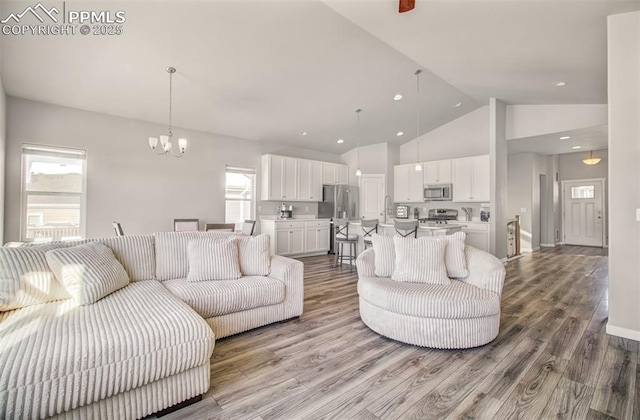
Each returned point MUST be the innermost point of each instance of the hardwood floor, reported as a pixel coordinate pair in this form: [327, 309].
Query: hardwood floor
[552, 358]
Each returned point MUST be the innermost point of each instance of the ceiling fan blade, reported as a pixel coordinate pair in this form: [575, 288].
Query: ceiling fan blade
[406, 5]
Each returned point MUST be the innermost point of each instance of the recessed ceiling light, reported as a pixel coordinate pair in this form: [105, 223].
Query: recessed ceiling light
[303, 133]
[340, 141]
[576, 147]
[397, 97]
[565, 137]
[559, 84]
[399, 133]
[458, 104]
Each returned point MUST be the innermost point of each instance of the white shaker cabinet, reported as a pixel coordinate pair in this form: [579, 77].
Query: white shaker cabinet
[297, 237]
[335, 173]
[310, 180]
[471, 179]
[279, 178]
[408, 184]
[437, 172]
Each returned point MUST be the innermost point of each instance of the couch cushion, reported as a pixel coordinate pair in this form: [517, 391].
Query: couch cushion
[213, 259]
[172, 256]
[384, 256]
[454, 256]
[88, 272]
[420, 261]
[56, 356]
[455, 300]
[255, 255]
[26, 279]
[221, 297]
[136, 254]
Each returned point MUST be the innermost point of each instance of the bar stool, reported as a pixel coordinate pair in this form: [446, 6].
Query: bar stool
[369, 227]
[406, 229]
[343, 237]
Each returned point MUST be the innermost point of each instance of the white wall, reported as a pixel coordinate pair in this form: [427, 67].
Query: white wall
[499, 177]
[534, 120]
[464, 136]
[624, 174]
[520, 187]
[126, 181]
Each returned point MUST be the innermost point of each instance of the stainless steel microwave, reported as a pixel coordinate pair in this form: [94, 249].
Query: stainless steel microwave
[440, 192]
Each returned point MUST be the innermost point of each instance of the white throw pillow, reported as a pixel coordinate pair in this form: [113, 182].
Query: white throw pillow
[255, 256]
[385, 255]
[25, 278]
[88, 272]
[420, 261]
[454, 256]
[213, 259]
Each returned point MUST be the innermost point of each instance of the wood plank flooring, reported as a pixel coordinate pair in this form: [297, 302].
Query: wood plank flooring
[552, 358]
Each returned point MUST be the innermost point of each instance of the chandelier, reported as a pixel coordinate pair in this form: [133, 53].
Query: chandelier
[166, 147]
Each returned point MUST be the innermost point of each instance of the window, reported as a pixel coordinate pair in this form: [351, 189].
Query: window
[53, 193]
[239, 194]
[585, 191]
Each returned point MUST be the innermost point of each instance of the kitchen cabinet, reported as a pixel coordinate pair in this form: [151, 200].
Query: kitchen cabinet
[335, 173]
[310, 180]
[477, 234]
[316, 236]
[437, 172]
[408, 184]
[297, 237]
[279, 178]
[471, 179]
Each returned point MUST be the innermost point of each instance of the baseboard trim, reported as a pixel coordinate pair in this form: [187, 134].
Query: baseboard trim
[548, 245]
[623, 332]
[536, 249]
[559, 243]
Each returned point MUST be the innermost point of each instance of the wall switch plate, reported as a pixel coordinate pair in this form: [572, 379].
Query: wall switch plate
[523, 210]
[638, 215]
[424, 209]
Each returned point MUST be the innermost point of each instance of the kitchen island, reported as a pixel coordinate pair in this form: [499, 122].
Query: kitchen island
[424, 229]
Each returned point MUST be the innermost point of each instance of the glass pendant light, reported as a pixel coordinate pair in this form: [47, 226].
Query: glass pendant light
[591, 160]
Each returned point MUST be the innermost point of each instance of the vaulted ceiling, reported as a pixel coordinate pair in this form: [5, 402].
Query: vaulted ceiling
[269, 70]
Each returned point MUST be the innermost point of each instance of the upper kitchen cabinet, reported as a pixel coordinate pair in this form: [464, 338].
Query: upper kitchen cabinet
[437, 172]
[471, 179]
[310, 181]
[408, 184]
[279, 178]
[335, 173]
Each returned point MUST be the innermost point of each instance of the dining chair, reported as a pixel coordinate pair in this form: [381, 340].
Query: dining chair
[369, 227]
[118, 228]
[342, 237]
[248, 227]
[406, 229]
[228, 227]
[185, 225]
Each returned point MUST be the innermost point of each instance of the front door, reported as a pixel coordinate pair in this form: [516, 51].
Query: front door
[583, 207]
[372, 196]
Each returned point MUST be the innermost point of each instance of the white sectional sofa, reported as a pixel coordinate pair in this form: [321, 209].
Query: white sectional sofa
[140, 349]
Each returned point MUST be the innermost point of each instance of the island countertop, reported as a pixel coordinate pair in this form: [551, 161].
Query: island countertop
[423, 226]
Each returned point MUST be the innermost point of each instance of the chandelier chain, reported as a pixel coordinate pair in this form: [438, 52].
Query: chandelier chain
[170, 104]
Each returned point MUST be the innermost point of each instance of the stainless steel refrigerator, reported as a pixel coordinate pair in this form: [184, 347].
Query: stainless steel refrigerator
[338, 202]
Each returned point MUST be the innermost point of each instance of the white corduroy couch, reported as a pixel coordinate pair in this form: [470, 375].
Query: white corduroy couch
[463, 314]
[141, 349]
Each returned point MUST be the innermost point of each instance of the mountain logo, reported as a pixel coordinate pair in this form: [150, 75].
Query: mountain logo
[38, 11]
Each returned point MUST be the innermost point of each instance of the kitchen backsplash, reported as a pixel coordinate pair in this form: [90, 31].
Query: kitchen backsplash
[426, 206]
[270, 208]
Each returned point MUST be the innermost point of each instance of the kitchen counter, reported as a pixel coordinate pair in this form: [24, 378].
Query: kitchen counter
[424, 226]
[300, 218]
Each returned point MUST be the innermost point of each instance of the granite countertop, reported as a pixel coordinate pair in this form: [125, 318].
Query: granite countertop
[301, 218]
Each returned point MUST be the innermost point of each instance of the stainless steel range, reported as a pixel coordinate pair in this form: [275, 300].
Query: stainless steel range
[440, 216]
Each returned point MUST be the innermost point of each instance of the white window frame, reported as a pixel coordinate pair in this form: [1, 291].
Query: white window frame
[246, 171]
[55, 151]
